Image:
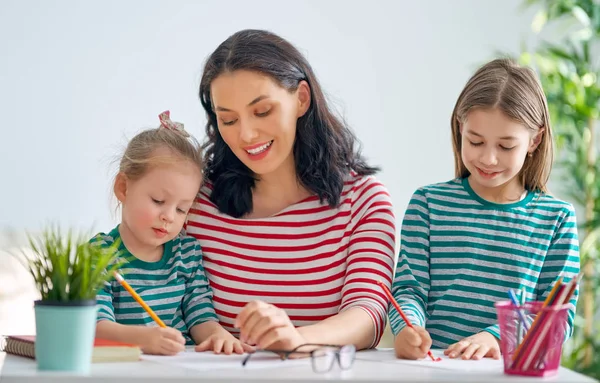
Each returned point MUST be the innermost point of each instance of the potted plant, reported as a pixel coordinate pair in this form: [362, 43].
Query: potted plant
[68, 272]
[569, 72]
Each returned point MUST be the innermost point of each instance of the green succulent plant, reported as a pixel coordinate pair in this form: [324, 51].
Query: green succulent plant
[569, 67]
[67, 267]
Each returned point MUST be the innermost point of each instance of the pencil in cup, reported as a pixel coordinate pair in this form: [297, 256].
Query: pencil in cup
[546, 327]
[404, 317]
[539, 352]
[522, 301]
[522, 319]
[536, 321]
[139, 299]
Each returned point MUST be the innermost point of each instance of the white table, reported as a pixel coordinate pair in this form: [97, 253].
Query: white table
[370, 366]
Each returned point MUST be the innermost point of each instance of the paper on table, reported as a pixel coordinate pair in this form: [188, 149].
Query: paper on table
[207, 361]
[386, 355]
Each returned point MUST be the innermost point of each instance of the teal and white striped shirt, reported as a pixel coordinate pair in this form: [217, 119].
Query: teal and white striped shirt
[460, 254]
[175, 287]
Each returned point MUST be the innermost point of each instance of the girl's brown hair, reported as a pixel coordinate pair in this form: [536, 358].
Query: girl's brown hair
[516, 91]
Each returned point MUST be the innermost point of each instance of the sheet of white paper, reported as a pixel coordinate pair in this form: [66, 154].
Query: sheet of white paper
[386, 355]
[207, 361]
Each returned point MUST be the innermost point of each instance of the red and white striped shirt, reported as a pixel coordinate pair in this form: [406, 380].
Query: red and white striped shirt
[311, 260]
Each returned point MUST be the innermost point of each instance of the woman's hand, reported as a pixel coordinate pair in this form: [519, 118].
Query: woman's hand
[268, 327]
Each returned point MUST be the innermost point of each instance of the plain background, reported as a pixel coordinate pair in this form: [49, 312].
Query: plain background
[79, 78]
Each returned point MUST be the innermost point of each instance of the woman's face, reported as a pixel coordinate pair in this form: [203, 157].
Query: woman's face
[257, 118]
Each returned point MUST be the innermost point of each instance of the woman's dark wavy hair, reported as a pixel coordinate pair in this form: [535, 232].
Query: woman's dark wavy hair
[324, 148]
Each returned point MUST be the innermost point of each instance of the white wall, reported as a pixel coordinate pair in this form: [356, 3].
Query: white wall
[77, 78]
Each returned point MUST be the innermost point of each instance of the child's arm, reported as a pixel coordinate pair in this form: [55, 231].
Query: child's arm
[152, 340]
[411, 283]
[197, 305]
[562, 260]
[202, 331]
[104, 301]
[198, 311]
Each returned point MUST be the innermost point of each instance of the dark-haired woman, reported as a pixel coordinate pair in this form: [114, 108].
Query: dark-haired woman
[294, 228]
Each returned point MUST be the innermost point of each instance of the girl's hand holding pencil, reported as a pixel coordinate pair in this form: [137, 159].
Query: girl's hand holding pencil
[161, 341]
[412, 343]
[414, 340]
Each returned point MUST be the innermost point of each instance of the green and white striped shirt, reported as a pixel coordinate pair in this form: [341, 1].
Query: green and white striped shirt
[460, 254]
[175, 287]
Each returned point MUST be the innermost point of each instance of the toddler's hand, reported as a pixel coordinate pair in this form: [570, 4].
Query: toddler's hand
[162, 341]
[223, 342]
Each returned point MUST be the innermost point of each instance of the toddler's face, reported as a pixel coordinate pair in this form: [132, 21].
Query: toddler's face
[156, 205]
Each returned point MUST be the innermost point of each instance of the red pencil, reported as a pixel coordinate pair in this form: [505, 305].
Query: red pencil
[404, 317]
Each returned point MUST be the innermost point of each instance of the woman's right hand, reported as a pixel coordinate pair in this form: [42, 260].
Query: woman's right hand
[268, 327]
[161, 341]
[412, 343]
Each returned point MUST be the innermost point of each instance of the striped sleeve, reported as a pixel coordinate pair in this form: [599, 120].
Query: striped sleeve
[562, 260]
[104, 297]
[104, 301]
[411, 283]
[371, 254]
[197, 300]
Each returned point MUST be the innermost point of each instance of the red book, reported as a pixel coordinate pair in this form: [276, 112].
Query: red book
[104, 350]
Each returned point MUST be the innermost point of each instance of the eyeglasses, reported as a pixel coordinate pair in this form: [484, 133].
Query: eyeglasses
[322, 356]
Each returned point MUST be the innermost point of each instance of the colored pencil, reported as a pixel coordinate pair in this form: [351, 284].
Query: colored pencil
[139, 299]
[537, 319]
[523, 301]
[404, 317]
[522, 317]
[536, 354]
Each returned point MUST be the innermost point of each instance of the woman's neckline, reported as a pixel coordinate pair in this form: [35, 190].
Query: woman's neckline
[280, 211]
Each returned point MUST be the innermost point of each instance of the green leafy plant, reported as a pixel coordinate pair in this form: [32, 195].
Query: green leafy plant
[67, 268]
[569, 70]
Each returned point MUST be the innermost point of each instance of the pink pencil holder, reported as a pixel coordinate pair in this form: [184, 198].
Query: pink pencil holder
[535, 352]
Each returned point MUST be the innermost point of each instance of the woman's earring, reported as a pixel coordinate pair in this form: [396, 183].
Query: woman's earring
[530, 154]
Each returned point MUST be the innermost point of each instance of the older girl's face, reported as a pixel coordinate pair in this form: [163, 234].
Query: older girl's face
[494, 147]
[257, 118]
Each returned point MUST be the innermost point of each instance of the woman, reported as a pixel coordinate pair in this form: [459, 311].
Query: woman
[294, 229]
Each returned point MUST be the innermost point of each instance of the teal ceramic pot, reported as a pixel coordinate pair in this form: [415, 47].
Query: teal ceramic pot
[65, 335]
